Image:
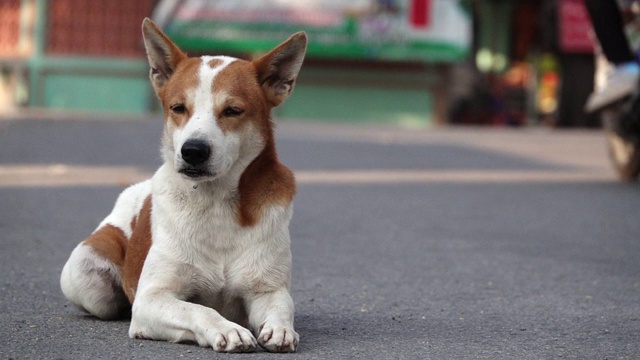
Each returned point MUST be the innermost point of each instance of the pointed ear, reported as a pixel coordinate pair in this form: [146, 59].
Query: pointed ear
[162, 53]
[278, 69]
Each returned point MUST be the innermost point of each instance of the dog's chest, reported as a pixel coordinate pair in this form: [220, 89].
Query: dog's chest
[198, 232]
[204, 232]
[203, 224]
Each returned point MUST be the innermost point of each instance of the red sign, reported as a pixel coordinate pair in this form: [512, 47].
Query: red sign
[574, 33]
[419, 13]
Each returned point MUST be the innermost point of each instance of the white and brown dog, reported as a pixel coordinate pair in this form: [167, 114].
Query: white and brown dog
[201, 251]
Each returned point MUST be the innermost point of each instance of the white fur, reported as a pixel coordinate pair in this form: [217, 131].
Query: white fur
[127, 207]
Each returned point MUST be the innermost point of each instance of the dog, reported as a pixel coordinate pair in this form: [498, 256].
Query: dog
[201, 251]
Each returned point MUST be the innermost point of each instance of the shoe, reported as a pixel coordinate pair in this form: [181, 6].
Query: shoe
[622, 81]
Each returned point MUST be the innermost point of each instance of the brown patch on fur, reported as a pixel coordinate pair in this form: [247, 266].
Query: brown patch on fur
[137, 251]
[215, 63]
[109, 242]
[133, 223]
[184, 79]
[236, 86]
[265, 182]
[175, 92]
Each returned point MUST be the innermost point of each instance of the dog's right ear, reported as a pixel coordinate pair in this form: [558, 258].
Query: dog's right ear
[164, 56]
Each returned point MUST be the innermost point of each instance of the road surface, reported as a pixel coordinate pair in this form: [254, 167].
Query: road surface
[407, 244]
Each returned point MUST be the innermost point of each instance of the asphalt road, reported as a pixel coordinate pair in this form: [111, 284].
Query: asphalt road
[407, 244]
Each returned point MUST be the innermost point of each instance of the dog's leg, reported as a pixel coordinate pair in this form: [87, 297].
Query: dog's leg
[92, 282]
[271, 317]
[91, 278]
[160, 311]
[162, 316]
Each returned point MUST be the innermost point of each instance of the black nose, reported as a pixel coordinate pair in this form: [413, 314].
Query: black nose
[195, 152]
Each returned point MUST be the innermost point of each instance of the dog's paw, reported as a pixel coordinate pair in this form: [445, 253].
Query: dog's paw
[278, 338]
[233, 338]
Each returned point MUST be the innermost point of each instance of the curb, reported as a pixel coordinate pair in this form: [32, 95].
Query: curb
[73, 115]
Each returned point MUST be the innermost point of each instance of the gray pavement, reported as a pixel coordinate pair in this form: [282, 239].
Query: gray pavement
[407, 244]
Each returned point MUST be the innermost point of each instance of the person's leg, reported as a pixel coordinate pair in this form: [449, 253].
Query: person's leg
[609, 29]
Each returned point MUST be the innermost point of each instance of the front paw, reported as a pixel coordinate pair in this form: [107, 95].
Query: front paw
[233, 338]
[278, 338]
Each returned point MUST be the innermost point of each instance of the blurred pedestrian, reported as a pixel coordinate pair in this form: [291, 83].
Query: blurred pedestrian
[609, 29]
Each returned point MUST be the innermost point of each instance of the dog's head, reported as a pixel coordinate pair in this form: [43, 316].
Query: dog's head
[216, 108]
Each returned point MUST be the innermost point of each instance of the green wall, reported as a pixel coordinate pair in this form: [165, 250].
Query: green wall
[325, 94]
[95, 92]
[358, 104]
[361, 92]
[93, 84]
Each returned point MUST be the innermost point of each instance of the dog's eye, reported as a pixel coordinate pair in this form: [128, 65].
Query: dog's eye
[233, 111]
[178, 109]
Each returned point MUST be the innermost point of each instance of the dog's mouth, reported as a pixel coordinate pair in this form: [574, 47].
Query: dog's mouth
[195, 173]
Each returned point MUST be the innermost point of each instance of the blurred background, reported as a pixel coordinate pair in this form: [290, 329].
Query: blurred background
[408, 62]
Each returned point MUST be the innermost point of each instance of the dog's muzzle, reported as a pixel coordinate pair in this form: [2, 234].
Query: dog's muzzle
[195, 154]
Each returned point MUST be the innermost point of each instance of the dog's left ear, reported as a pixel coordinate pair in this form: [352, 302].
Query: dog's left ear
[278, 69]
